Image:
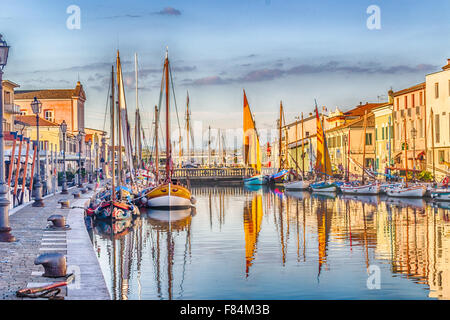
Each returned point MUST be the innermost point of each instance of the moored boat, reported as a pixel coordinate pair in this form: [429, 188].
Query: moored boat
[255, 180]
[297, 185]
[324, 186]
[414, 191]
[440, 194]
[168, 196]
[370, 189]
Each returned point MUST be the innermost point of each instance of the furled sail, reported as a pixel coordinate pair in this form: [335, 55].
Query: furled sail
[252, 149]
[323, 162]
[124, 116]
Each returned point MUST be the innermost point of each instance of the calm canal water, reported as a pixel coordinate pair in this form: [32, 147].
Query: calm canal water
[270, 244]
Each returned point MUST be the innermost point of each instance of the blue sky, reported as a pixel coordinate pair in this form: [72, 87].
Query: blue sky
[293, 51]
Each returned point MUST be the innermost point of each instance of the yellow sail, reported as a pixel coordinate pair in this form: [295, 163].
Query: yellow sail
[253, 214]
[252, 149]
[323, 162]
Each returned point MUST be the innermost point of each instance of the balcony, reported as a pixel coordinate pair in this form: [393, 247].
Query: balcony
[12, 108]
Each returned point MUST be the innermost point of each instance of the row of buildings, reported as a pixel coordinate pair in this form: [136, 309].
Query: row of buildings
[58, 105]
[419, 115]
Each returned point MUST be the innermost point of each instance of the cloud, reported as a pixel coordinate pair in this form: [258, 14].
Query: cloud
[267, 74]
[132, 16]
[169, 11]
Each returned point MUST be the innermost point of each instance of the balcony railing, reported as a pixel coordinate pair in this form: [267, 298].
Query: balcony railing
[12, 108]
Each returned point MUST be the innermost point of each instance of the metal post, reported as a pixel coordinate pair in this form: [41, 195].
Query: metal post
[80, 184]
[64, 178]
[38, 201]
[5, 229]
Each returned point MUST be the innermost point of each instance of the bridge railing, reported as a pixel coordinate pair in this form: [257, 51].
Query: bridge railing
[211, 172]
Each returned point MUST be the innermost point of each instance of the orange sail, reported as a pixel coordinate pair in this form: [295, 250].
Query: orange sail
[323, 162]
[253, 214]
[252, 150]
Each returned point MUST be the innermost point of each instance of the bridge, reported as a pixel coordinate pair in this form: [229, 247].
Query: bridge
[215, 175]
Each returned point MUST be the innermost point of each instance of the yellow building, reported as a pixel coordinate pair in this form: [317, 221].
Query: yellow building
[384, 137]
[438, 109]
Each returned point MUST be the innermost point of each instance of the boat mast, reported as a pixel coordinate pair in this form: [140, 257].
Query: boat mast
[168, 149]
[432, 142]
[137, 120]
[119, 171]
[156, 145]
[364, 146]
[187, 128]
[279, 136]
[113, 135]
[348, 155]
[209, 146]
[303, 149]
[406, 156]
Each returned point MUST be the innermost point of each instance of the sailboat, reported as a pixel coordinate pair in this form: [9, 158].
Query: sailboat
[323, 162]
[116, 204]
[168, 195]
[300, 184]
[352, 188]
[252, 149]
[405, 191]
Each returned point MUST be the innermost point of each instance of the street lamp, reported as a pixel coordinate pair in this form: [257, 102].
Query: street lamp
[89, 144]
[79, 138]
[414, 134]
[96, 161]
[5, 229]
[63, 128]
[36, 106]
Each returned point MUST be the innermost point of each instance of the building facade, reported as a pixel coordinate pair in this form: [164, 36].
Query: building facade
[384, 137]
[410, 118]
[438, 107]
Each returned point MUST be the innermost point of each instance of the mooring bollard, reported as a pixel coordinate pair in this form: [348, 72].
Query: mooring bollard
[76, 194]
[59, 222]
[83, 190]
[55, 264]
[65, 203]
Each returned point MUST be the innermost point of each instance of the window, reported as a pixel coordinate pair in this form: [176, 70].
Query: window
[441, 156]
[7, 97]
[421, 98]
[368, 139]
[436, 90]
[418, 110]
[413, 102]
[437, 128]
[409, 112]
[406, 102]
[398, 103]
[48, 115]
[376, 133]
[382, 133]
[421, 128]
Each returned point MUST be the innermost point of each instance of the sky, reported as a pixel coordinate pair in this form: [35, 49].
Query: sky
[290, 50]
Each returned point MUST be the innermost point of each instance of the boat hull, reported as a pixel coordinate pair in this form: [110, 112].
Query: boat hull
[440, 194]
[169, 196]
[411, 192]
[371, 189]
[255, 180]
[324, 187]
[297, 185]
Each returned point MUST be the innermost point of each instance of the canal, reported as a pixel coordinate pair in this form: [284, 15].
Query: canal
[271, 244]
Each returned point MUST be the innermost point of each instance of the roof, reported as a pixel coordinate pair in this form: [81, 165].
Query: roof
[360, 110]
[419, 86]
[30, 120]
[51, 93]
[10, 83]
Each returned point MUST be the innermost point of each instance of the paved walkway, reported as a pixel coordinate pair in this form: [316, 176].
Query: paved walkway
[17, 269]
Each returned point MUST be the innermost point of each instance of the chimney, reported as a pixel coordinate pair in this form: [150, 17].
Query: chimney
[446, 66]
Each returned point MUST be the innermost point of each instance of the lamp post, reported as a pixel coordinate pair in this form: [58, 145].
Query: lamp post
[64, 179]
[96, 161]
[79, 138]
[36, 106]
[103, 159]
[89, 145]
[5, 229]
[414, 134]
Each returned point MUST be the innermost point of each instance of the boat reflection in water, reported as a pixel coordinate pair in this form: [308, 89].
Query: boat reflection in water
[271, 244]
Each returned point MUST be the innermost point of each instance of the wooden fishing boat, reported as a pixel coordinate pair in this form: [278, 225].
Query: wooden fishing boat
[252, 148]
[324, 186]
[116, 211]
[369, 189]
[279, 177]
[415, 191]
[297, 185]
[255, 180]
[440, 194]
[168, 195]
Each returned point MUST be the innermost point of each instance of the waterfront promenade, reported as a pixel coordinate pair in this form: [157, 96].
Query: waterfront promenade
[17, 269]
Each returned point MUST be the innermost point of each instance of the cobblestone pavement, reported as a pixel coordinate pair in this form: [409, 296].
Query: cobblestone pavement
[17, 269]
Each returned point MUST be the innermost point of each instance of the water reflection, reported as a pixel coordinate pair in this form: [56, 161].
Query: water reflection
[261, 243]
